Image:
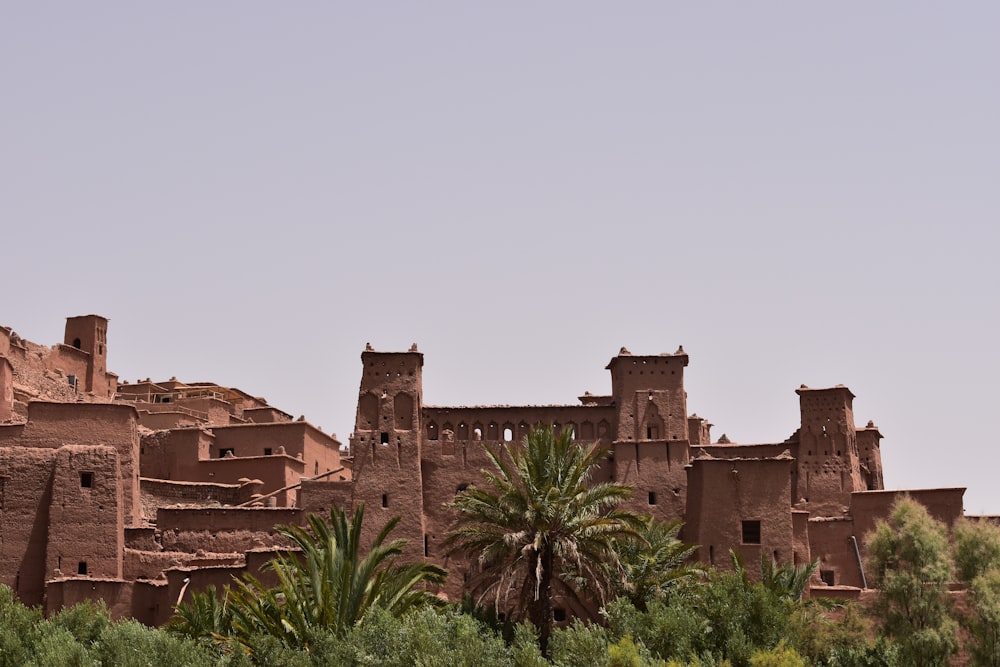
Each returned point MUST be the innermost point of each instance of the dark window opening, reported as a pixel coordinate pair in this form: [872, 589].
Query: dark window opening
[426, 547]
[828, 577]
[267, 451]
[461, 487]
[652, 497]
[166, 399]
[81, 567]
[751, 532]
[100, 349]
[225, 451]
[385, 500]
[711, 555]
[86, 480]
[384, 438]
[559, 615]
[77, 344]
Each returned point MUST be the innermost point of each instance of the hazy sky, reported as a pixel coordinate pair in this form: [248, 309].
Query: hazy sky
[796, 192]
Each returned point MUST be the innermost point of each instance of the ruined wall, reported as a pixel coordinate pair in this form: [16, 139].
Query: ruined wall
[158, 493]
[870, 457]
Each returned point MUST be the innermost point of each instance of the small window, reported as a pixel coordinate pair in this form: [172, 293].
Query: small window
[751, 532]
[86, 480]
[426, 547]
[385, 500]
[652, 497]
[559, 615]
[226, 451]
[384, 438]
[77, 344]
[828, 577]
[81, 567]
[508, 434]
[267, 451]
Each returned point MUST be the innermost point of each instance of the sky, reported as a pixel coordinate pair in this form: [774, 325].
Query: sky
[797, 193]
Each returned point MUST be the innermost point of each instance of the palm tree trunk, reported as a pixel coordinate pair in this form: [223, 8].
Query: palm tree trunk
[540, 613]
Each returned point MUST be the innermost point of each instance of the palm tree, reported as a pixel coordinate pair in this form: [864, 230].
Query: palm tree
[537, 527]
[329, 585]
[655, 561]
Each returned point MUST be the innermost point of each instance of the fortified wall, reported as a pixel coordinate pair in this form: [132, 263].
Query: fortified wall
[140, 492]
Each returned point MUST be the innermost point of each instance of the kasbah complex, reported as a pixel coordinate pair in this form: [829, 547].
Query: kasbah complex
[135, 493]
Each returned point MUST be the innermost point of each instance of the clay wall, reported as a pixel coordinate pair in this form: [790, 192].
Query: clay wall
[649, 394]
[25, 498]
[266, 415]
[801, 551]
[830, 543]
[319, 496]
[511, 423]
[657, 471]
[89, 333]
[222, 530]
[6, 389]
[318, 451]
[158, 493]
[161, 420]
[86, 525]
[216, 411]
[174, 454]
[699, 431]
[275, 472]
[740, 504]
[57, 424]
[5, 333]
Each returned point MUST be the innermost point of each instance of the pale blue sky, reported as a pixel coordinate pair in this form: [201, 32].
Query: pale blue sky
[796, 192]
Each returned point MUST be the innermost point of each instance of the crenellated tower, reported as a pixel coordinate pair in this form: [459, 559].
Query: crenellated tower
[651, 438]
[386, 445]
[828, 462]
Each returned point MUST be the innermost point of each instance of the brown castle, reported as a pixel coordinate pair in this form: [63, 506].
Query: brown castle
[135, 493]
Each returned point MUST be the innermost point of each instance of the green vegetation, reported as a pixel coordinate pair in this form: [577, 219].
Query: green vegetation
[538, 528]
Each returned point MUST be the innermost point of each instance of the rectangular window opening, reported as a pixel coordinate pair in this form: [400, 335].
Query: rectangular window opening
[751, 532]
[652, 497]
[267, 451]
[86, 480]
[81, 567]
[385, 500]
[828, 577]
[226, 451]
[559, 615]
[384, 438]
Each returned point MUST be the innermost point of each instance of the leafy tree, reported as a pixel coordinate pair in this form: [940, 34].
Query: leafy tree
[911, 564]
[328, 587]
[654, 562]
[538, 528]
[976, 548]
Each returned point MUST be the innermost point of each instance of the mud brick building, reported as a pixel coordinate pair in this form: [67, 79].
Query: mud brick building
[138, 492]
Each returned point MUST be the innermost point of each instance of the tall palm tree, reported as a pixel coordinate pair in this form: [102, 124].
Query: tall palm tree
[537, 527]
[330, 584]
